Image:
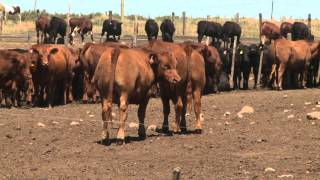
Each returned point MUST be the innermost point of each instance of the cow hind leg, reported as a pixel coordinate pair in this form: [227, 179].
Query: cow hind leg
[166, 112]
[197, 110]
[280, 74]
[179, 109]
[106, 118]
[123, 108]
[141, 115]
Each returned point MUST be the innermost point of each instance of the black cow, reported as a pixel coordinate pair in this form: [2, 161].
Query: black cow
[57, 26]
[226, 58]
[254, 56]
[151, 29]
[82, 26]
[167, 29]
[301, 31]
[113, 28]
[210, 29]
[230, 30]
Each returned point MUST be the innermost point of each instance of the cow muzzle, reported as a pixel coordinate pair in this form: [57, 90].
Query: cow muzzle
[173, 77]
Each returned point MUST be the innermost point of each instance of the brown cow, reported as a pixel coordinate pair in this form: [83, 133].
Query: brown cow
[14, 72]
[89, 57]
[191, 69]
[269, 31]
[126, 75]
[42, 25]
[293, 55]
[54, 66]
[82, 26]
[213, 63]
[285, 28]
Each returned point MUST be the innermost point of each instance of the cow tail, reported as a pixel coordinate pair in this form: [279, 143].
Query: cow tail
[114, 60]
[188, 49]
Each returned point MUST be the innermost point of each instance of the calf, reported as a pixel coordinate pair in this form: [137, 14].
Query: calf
[54, 66]
[191, 69]
[167, 29]
[209, 29]
[126, 76]
[230, 30]
[57, 26]
[89, 59]
[42, 25]
[14, 72]
[113, 28]
[151, 29]
[213, 64]
[82, 26]
[294, 56]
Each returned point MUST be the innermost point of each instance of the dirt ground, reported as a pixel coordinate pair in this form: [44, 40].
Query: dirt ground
[41, 143]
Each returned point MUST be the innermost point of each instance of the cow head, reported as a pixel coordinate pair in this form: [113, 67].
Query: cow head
[165, 64]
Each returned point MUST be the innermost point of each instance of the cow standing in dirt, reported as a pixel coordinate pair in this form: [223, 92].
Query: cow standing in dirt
[167, 30]
[54, 68]
[209, 29]
[80, 26]
[89, 58]
[191, 69]
[125, 76]
[14, 74]
[152, 29]
[294, 56]
[113, 28]
[57, 26]
[42, 25]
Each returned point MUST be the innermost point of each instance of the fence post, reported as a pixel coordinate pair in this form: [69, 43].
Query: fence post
[122, 10]
[183, 23]
[135, 29]
[1, 22]
[309, 22]
[172, 17]
[233, 61]
[110, 15]
[260, 24]
[208, 17]
[236, 18]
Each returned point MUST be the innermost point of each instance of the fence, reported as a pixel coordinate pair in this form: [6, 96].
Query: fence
[186, 28]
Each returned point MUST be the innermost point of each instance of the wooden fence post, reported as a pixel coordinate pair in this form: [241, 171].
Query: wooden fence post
[236, 18]
[208, 17]
[173, 17]
[309, 22]
[260, 24]
[176, 173]
[183, 23]
[122, 10]
[1, 22]
[261, 52]
[135, 29]
[110, 15]
[233, 61]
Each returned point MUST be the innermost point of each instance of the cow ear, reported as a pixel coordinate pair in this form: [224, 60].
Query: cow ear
[153, 59]
[54, 51]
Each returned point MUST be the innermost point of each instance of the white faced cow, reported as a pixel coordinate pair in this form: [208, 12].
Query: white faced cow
[11, 10]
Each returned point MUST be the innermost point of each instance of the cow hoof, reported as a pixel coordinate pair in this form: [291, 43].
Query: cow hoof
[142, 136]
[183, 130]
[120, 142]
[198, 131]
[165, 129]
[84, 101]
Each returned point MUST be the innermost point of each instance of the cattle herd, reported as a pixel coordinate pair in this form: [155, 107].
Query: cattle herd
[49, 73]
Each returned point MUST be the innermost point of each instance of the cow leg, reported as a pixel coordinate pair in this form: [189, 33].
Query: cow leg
[245, 80]
[304, 75]
[166, 112]
[106, 117]
[141, 115]
[91, 35]
[30, 89]
[122, 116]
[8, 97]
[281, 71]
[38, 37]
[85, 81]
[255, 74]
[51, 94]
[197, 109]
[82, 38]
[179, 109]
